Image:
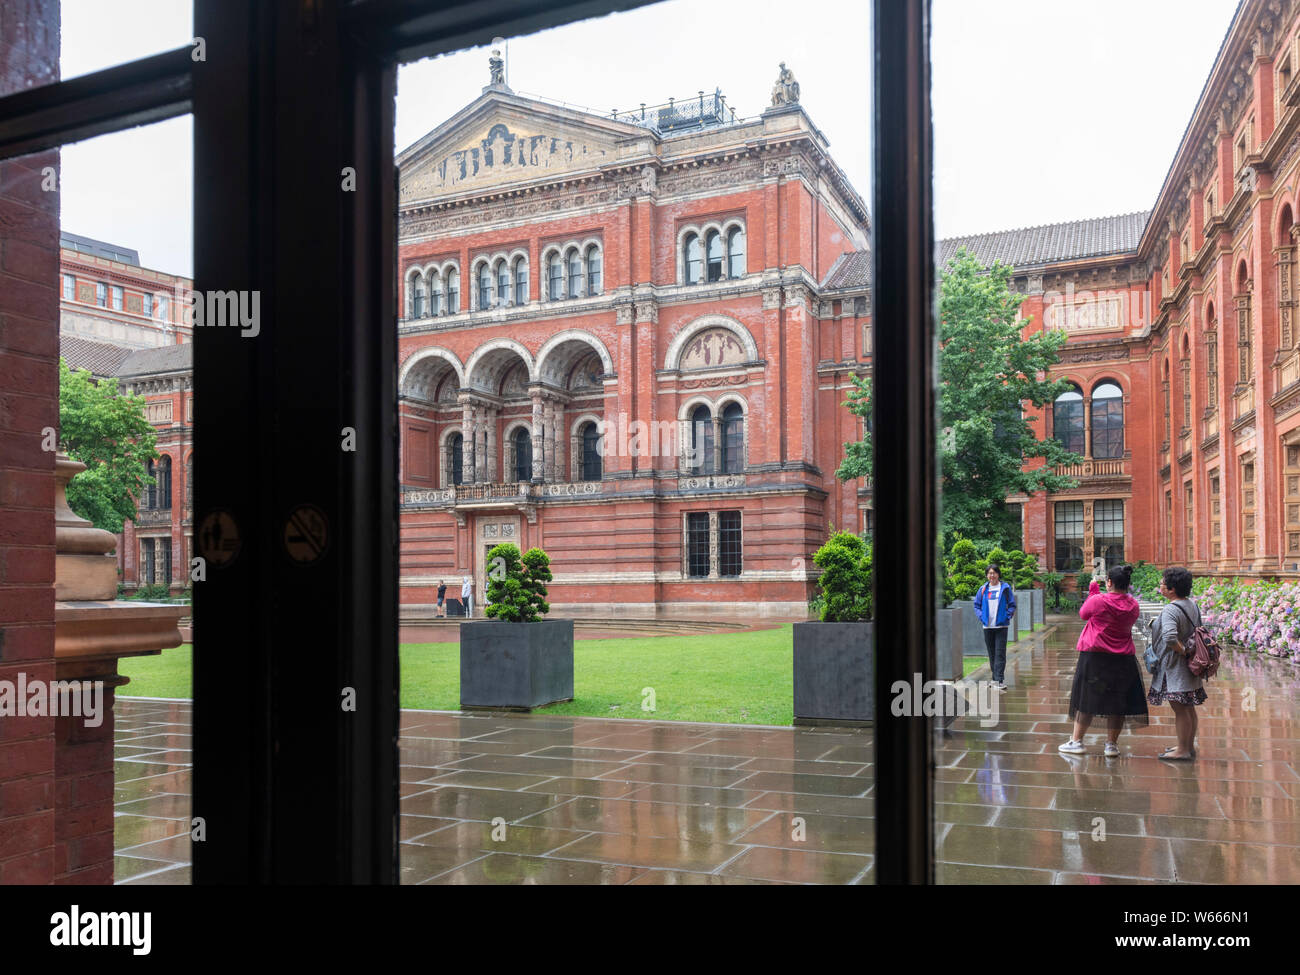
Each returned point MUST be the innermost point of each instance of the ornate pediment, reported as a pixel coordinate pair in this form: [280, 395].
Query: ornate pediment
[503, 142]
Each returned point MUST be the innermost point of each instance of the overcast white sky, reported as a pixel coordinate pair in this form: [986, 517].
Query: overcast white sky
[1044, 110]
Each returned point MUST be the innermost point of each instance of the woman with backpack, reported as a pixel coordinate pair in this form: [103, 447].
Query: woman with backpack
[1173, 682]
[1106, 679]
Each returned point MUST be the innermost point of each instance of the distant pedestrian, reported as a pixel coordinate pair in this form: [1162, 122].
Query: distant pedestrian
[1174, 683]
[1107, 683]
[467, 595]
[441, 611]
[995, 604]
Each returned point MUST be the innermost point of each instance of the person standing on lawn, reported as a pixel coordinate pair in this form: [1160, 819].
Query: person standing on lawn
[467, 595]
[1174, 683]
[995, 604]
[1107, 683]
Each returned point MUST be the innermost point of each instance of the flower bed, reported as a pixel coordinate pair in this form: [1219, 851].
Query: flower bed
[1263, 617]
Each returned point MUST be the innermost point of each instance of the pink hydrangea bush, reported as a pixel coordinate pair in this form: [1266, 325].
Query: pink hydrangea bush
[1262, 617]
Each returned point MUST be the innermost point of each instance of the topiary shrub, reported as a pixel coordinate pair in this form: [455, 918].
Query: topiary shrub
[962, 572]
[845, 581]
[516, 591]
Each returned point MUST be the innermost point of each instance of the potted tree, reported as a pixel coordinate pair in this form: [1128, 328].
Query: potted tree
[515, 659]
[834, 658]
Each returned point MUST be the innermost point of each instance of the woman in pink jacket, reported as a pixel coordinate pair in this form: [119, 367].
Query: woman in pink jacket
[1107, 682]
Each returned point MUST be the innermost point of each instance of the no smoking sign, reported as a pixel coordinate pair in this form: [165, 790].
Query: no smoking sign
[306, 534]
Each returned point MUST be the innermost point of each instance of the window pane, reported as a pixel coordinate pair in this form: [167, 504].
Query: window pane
[1108, 531]
[96, 34]
[1067, 417]
[729, 543]
[697, 544]
[1107, 423]
[1069, 535]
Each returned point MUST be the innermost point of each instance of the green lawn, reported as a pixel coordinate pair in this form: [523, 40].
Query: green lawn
[736, 678]
[741, 678]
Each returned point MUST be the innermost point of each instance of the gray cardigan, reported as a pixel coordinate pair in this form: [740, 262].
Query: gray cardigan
[1168, 628]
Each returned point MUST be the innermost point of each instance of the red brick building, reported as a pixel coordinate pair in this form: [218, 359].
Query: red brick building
[126, 323]
[626, 340]
[1183, 336]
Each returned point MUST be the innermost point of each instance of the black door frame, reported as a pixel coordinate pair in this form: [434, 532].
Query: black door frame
[292, 787]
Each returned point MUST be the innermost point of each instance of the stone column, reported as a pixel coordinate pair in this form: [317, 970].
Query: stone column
[538, 436]
[467, 443]
[493, 460]
[557, 437]
[717, 442]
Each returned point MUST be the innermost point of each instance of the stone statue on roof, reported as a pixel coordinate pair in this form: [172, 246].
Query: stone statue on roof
[497, 65]
[786, 89]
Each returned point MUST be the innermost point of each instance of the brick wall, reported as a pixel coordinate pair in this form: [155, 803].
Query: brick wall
[29, 348]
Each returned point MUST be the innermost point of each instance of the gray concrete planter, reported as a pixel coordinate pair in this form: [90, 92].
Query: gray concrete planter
[972, 631]
[948, 643]
[834, 673]
[1025, 611]
[515, 666]
[1039, 604]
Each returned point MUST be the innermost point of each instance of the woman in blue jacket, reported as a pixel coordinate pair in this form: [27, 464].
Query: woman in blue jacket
[994, 605]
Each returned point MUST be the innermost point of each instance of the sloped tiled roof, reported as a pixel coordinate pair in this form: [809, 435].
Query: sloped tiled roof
[1053, 242]
[167, 358]
[101, 358]
[849, 271]
[99, 248]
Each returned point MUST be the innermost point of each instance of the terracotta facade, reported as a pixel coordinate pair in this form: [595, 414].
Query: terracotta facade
[1195, 321]
[669, 282]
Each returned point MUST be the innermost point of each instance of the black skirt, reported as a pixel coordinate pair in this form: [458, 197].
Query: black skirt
[1109, 685]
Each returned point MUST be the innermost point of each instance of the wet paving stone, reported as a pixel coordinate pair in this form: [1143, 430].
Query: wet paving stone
[620, 801]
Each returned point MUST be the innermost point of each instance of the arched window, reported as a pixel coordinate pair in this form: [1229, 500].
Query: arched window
[1244, 325]
[1107, 421]
[733, 439]
[457, 459]
[713, 247]
[555, 276]
[1211, 357]
[523, 454]
[484, 287]
[521, 281]
[1185, 363]
[1067, 420]
[453, 291]
[593, 270]
[418, 304]
[735, 253]
[701, 458]
[575, 272]
[503, 282]
[694, 264]
[435, 294]
[591, 468]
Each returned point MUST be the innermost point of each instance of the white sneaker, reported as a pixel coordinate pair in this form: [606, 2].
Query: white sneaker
[1072, 748]
[1112, 750]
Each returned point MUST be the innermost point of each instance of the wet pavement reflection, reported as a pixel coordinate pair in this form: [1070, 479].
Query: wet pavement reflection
[543, 799]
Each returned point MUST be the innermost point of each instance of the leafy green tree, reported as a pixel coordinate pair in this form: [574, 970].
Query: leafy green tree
[107, 431]
[987, 371]
[516, 589]
[845, 581]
